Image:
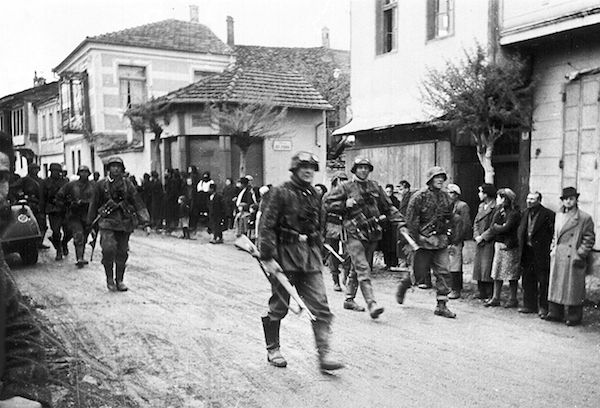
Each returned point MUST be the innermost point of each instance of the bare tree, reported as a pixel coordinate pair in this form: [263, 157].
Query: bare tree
[248, 123]
[480, 98]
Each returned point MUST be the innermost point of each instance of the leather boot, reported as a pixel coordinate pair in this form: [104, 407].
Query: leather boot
[403, 286]
[65, 247]
[442, 310]
[455, 285]
[336, 281]
[350, 304]
[271, 330]
[120, 269]
[367, 290]
[322, 333]
[79, 255]
[110, 281]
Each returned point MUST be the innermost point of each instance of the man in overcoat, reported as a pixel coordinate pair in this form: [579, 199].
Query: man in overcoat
[535, 237]
[573, 241]
[216, 214]
[117, 204]
[290, 240]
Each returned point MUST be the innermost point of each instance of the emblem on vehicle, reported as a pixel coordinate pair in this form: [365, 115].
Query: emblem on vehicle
[23, 218]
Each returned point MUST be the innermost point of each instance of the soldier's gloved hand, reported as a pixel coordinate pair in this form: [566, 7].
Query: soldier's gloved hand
[19, 402]
[351, 202]
[272, 267]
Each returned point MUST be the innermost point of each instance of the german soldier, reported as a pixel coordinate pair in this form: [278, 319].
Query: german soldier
[54, 210]
[30, 188]
[334, 237]
[429, 219]
[290, 240]
[114, 206]
[363, 204]
[75, 196]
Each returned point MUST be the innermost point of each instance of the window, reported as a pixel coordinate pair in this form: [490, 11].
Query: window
[17, 127]
[50, 126]
[78, 158]
[43, 128]
[73, 101]
[440, 18]
[73, 166]
[132, 85]
[2, 125]
[386, 21]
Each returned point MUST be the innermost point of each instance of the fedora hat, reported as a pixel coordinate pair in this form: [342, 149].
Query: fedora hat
[569, 192]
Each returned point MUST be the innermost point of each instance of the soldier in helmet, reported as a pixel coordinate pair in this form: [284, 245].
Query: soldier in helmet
[56, 215]
[114, 207]
[363, 204]
[30, 188]
[75, 197]
[290, 239]
[429, 219]
[333, 233]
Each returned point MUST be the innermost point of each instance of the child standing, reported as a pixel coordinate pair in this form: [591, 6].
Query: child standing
[183, 204]
[242, 219]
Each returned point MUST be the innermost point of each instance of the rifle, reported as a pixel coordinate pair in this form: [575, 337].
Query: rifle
[333, 252]
[244, 243]
[94, 233]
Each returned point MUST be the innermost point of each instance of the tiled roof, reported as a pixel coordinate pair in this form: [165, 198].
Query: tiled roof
[34, 95]
[169, 35]
[317, 65]
[250, 86]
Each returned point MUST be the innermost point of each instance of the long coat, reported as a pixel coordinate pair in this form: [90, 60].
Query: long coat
[541, 238]
[216, 212]
[572, 243]
[484, 253]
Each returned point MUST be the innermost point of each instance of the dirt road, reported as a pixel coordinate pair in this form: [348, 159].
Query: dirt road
[188, 334]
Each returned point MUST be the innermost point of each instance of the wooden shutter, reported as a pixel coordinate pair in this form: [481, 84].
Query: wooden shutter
[431, 6]
[379, 27]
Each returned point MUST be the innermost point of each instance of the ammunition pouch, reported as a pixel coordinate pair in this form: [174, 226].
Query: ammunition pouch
[368, 228]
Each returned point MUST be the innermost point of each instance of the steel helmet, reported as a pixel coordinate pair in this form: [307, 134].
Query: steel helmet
[306, 159]
[361, 161]
[55, 167]
[115, 159]
[435, 171]
[83, 168]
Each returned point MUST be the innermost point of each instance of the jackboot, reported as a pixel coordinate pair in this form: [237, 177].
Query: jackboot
[79, 255]
[403, 287]
[455, 285]
[336, 282]
[367, 290]
[65, 247]
[442, 310]
[110, 281]
[120, 269]
[271, 330]
[322, 333]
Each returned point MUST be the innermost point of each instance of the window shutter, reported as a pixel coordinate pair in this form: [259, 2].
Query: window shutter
[431, 19]
[379, 27]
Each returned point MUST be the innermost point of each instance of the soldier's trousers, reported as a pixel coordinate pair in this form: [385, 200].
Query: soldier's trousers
[436, 261]
[115, 247]
[80, 235]
[57, 222]
[311, 289]
[361, 255]
[40, 217]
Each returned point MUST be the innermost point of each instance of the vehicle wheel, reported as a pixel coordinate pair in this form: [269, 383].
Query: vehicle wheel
[29, 254]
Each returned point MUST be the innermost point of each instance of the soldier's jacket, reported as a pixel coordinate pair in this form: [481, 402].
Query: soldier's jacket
[429, 218]
[30, 188]
[22, 369]
[332, 222]
[293, 211]
[119, 204]
[362, 220]
[75, 198]
[50, 188]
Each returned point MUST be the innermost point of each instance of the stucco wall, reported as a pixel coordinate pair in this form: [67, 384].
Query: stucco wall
[387, 85]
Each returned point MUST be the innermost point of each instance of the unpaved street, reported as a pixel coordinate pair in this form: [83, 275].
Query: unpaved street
[188, 334]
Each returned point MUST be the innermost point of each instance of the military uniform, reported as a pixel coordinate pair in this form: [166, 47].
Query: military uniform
[361, 225]
[290, 234]
[55, 212]
[333, 234]
[75, 197]
[429, 220]
[30, 188]
[119, 206]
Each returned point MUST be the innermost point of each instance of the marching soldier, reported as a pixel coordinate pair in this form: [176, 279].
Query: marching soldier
[75, 197]
[429, 219]
[55, 212]
[114, 207]
[363, 204]
[290, 240]
[333, 236]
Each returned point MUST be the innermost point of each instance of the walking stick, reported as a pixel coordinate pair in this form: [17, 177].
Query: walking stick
[244, 243]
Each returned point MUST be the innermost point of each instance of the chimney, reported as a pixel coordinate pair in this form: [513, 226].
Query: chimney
[38, 80]
[325, 37]
[230, 39]
[194, 14]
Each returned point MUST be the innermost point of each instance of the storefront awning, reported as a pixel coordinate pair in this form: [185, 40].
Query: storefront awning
[359, 124]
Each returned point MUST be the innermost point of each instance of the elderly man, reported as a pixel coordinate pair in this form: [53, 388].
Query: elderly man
[573, 241]
[535, 236]
[461, 231]
[23, 374]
